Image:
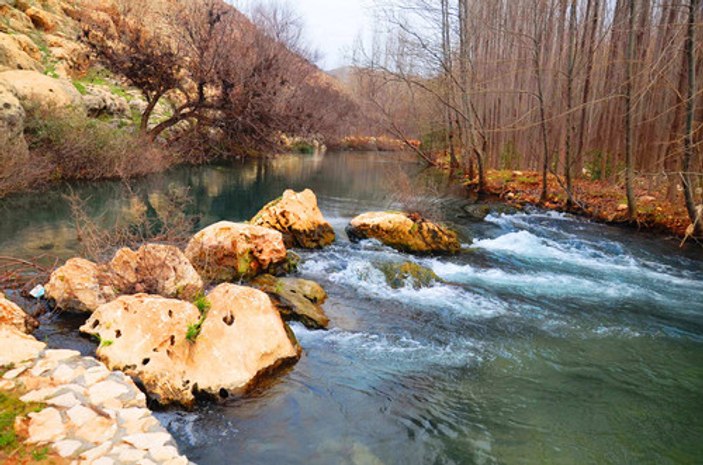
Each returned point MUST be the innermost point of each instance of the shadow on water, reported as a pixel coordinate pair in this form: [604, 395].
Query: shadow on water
[553, 339]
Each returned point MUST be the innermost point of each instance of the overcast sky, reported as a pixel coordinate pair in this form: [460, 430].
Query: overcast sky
[331, 26]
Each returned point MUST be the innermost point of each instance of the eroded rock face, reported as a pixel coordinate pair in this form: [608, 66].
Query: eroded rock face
[155, 269]
[80, 286]
[404, 232]
[13, 56]
[101, 101]
[298, 218]
[296, 299]
[229, 251]
[12, 315]
[17, 346]
[34, 88]
[241, 338]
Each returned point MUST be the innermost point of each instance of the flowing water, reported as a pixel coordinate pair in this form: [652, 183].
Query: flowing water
[552, 340]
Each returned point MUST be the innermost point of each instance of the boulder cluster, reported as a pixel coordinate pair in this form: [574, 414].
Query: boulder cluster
[210, 320]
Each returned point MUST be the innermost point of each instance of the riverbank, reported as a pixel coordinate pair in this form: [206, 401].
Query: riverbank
[602, 202]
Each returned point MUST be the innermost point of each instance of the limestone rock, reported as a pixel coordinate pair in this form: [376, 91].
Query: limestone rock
[101, 101]
[399, 275]
[17, 347]
[298, 217]
[13, 54]
[79, 286]
[241, 338]
[230, 251]
[296, 299]
[33, 88]
[404, 232]
[41, 19]
[155, 269]
[12, 315]
[14, 20]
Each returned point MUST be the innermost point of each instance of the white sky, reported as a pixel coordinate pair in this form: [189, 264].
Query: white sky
[331, 26]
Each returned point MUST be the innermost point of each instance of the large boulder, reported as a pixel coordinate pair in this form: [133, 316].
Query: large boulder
[296, 299]
[404, 232]
[99, 100]
[155, 269]
[16, 53]
[177, 352]
[297, 216]
[36, 89]
[12, 115]
[228, 251]
[18, 347]
[80, 286]
[13, 316]
[14, 20]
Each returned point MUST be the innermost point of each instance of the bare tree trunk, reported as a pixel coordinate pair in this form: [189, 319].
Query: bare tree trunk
[629, 130]
[569, 101]
[690, 108]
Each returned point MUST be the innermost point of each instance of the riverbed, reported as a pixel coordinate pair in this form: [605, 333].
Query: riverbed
[551, 340]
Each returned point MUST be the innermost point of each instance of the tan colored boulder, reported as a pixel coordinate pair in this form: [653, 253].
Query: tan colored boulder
[12, 315]
[228, 251]
[14, 20]
[42, 20]
[12, 115]
[404, 232]
[297, 216]
[13, 54]
[17, 347]
[80, 286]
[33, 88]
[155, 269]
[296, 299]
[240, 338]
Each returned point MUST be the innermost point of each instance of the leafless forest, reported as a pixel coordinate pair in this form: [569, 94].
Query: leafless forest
[603, 89]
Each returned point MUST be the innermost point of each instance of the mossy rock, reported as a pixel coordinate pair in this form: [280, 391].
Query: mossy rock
[399, 275]
[296, 299]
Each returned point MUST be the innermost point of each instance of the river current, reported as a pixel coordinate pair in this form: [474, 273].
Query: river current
[551, 340]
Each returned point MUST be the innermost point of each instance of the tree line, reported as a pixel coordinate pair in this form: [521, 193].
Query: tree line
[572, 88]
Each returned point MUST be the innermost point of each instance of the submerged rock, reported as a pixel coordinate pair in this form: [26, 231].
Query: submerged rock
[399, 275]
[229, 251]
[404, 232]
[12, 315]
[155, 269]
[297, 216]
[80, 286]
[296, 299]
[177, 352]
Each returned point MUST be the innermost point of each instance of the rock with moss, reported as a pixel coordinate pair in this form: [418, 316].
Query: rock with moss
[155, 269]
[179, 350]
[297, 216]
[399, 275]
[80, 286]
[405, 232]
[12, 315]
[296, 299]
[228, 251]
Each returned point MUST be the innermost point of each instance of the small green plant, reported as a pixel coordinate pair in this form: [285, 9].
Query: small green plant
[80, 87]
[106, 343]
[11, 407]
[194, 330]
[202, 303]
[40, 454]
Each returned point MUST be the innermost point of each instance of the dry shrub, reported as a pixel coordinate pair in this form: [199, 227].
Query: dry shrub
[78, 147]
[149, 219]
[19, 170]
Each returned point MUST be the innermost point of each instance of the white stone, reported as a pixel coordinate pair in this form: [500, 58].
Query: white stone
[146, 441]
[67, 400]
[95, 375]
[163, 453]
[67, 448]
[97, 430]
[106, 390]
[40, 395]
[43, 366]
[80, 415]
[12, 374]
[63, 374]
[128, 454]
[145, 462]
[103, 461]
[177, 461]
[59, 355]
[132, 414]
[45, 426]
[97, 452]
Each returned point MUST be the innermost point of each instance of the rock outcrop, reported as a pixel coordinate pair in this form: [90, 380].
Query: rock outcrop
[399, 275]
[228, 251]
[101, 101]
[80, 286]
[298, 218]
[13, 54]
[405, 232]
[35, 89]
[12, 315]
[155, 269]
[177, 353]
[296, 299]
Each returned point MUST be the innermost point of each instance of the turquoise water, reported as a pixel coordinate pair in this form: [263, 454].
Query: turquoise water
[553, 340]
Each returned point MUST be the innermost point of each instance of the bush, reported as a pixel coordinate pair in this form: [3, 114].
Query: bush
[78, 147]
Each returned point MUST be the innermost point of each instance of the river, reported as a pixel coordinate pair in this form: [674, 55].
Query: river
[553, 340]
